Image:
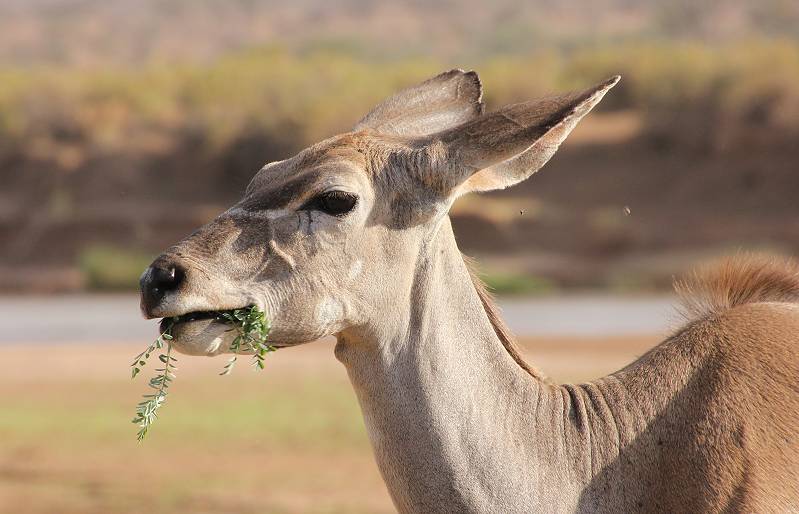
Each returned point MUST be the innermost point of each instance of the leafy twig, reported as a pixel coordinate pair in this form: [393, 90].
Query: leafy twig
[235, 347]
[253, 330]
[147, 410]
[141, 359]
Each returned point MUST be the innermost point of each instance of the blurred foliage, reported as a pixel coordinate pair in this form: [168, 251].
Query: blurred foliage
[137, 156]
[320, 92]
[517, 284]
[109, 268]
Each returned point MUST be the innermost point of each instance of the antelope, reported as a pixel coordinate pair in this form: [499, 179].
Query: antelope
[352, 238]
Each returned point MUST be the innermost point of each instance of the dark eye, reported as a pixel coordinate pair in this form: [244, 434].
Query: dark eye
[334, 203]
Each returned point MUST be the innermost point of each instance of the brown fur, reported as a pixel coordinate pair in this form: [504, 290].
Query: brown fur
[738, 280]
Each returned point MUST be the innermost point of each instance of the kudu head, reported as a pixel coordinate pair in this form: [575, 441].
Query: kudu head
[329, 239]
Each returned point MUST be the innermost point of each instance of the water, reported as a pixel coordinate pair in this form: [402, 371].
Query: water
[97, 318]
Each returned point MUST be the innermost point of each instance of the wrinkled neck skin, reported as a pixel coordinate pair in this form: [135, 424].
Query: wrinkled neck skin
[455, 423]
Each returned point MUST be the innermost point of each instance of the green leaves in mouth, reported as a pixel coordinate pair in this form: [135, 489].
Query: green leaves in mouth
[253, 329]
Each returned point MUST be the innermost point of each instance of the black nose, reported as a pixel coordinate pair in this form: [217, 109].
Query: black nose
[159, 279]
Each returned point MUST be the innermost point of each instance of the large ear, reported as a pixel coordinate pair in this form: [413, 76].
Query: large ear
[503, 148]
[437, 104]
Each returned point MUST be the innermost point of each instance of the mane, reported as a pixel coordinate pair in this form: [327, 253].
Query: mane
[738, 280]
[709, 290]
[500, 328]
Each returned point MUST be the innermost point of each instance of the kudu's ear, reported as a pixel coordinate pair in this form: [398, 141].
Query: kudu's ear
[437, 104]
[503, 148]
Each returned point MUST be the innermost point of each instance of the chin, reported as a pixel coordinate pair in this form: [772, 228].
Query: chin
[202, 337]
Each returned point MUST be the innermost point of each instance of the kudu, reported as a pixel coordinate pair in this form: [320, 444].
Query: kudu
[352, 237]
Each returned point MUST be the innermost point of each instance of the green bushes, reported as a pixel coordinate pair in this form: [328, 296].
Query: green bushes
[108, 268]
[517, 284]
[325, 91]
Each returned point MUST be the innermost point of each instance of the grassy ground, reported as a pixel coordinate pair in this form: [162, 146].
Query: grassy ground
[287, 440]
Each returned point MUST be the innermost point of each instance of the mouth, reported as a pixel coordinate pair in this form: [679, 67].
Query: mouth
[214, 331]
[225, 317]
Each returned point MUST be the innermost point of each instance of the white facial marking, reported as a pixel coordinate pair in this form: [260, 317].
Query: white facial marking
[270, 214]
[355, 269]
[213, 348]
[328, 311]
[273, 214]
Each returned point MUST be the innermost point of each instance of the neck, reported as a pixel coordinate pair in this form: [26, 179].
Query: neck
[451, 415]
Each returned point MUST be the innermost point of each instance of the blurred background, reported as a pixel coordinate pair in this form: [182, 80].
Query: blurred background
[126, 124]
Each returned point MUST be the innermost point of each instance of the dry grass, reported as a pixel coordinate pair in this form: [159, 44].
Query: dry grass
[299, 446]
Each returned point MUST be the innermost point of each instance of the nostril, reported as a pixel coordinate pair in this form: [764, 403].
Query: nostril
[159, 279]
[166, 278]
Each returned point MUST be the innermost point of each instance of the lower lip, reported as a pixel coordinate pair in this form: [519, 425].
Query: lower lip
[164, 324]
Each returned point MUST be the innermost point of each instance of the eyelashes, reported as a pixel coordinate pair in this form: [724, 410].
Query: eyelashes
[333, 203]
